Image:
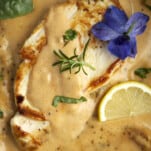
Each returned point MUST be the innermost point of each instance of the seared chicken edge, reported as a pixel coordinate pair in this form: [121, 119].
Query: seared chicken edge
[28, 124]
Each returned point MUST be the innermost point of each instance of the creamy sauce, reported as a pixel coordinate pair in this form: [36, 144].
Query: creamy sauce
[133, 134]
[52, 81]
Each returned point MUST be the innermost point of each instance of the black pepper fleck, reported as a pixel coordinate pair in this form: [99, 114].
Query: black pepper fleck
[92, 141]
[92, 126]
[101, 129]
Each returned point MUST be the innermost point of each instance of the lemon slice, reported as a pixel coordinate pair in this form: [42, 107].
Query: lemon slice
[124, 100]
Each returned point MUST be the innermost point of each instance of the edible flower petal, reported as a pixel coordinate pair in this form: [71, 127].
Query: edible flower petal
[122, 47]
[120, 31]
[104, 32]
[137, 24]
[115, 18]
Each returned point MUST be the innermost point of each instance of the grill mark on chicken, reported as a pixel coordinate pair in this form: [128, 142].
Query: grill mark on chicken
[26, 111]
[19, 99]
[31, 54]
[104, 78]
[20, 133]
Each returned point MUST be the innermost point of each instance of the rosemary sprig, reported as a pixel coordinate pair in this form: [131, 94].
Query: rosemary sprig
[76, 61]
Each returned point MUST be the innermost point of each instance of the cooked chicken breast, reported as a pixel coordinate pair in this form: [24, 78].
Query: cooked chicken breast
[29, 124]
[38, 82]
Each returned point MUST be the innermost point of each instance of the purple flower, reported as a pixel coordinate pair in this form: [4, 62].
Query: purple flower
[120, 31]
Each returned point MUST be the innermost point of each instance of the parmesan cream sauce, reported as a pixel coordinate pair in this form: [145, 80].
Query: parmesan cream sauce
[133, 134]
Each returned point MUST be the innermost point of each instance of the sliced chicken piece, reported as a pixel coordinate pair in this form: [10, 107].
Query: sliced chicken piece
[38, 82]
[29, 132]
[29, 124]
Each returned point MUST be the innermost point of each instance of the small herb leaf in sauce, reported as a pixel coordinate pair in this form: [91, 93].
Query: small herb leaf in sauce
[69, 35]
[1, 114]
[76, 61]
[142, 72]
[15, 8]
[68, 100]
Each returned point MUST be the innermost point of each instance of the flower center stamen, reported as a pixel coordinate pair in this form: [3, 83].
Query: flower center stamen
[130, 28]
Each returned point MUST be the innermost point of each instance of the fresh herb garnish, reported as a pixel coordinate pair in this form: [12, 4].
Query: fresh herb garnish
[142, 72]
[75, 61]
[1, 114]
[68, 100]
[69, 35]
[120, 32]
[15, 8]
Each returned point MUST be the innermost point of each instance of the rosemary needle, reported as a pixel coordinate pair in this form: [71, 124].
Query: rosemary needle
[76, 61]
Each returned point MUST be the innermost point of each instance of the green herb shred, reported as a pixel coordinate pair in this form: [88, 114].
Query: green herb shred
[142, 72]
[69, 36]
[68, 100]
[15, 8]
[1, 114]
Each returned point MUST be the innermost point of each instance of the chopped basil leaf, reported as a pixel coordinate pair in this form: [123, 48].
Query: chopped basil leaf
[142, 72]
[15, 8]
[68, 100]
[1, 114]
[69, 35]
